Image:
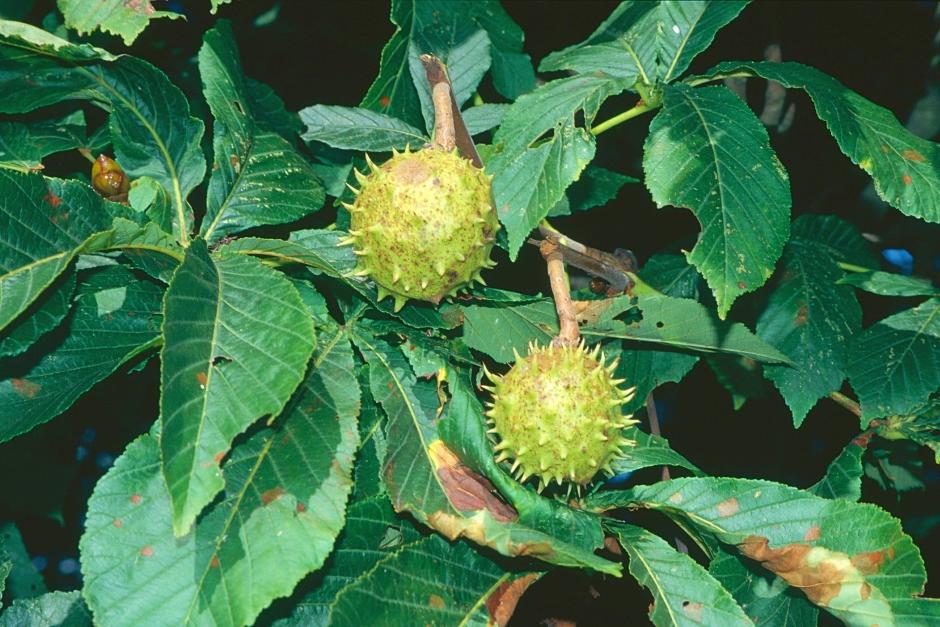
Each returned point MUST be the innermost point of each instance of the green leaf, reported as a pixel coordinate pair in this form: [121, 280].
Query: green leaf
[372, 533]
[35, 39]
[498, 331]
[904, 168]
[769, 601]
[843, 478]
[889, 284]
[257, 178]
[684, 593]
[216, 4]
[24, 145]
[358, 129]
[650, 450]
[17, 151]
[679, 323]
[125, 19]
[653, 41]
[436, 27]
[53, 609]
[429, 582]
[284, 504]
[530, 176]
[894, 365]
[43, 316]
[852, 559]
[482, 118]
[116, 317]
[706, 151]
[237, 339]
[22, 579]
[44, 223]
[269, 110]
[808, 316]
[672, 275]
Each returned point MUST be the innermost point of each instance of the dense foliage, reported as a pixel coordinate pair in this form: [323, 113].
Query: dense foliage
[321, 444]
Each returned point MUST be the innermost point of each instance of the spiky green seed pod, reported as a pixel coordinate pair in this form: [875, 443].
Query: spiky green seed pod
[423, 225]
[557, 415]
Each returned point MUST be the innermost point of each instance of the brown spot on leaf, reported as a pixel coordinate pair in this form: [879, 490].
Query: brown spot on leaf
[611, 544]
[865, 591]
[52, 199]
[219, 457]
[202, 378]
[912, 155]
[741, 285]
[503, 600]
[676, 498]
[135, 499]
[813, 533]
[384, 101]
[214, 562]
[147, 551]
[907, 179]
[870, 562]
[26, 389]
[820, 573]
[269, 495]
[728, 507]
[801, 315]
[117, 523]
[301, 508]
[693, 611]
[436, 602]
[862, 440]
[140, 6]
[467, 490]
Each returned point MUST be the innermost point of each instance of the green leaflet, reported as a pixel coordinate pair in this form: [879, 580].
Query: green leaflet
[808, 316]
[43, 316]
[35, 39]
[257, 178]
[24, 145]
[116, 317]
[684, 593]
[677, 323]
[353, 128]
[904, 168]
[435, 27]
[53, 609]
[706, 151]
[768, 599]
[284, 503]
[236, 343]
[889, 284]
[372, 533]
[894, 365]
[651, 41]
[531, 176]
[843, 478]
[851, 559]
[408, 588]
[498, 331]
[650, 450]
[22, 580]
[44, 223]
[125, 19]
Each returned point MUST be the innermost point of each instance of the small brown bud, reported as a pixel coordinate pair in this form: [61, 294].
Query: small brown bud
[109, 179]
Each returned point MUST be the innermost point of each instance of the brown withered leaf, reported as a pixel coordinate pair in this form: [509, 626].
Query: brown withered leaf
[467, 490]
[503, 600]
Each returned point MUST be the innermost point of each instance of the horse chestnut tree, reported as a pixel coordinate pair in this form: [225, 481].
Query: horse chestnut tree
[323, 455]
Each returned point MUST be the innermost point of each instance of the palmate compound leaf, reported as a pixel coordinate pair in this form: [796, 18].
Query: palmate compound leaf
[894, 365]
[150, 125]
[432, 582]
[904, 168]
[708, 152]
[237, 339]
[284, 503]
[116, 317]
[653, 41]
[808, 316]
[258, 177]
[436, 27]
[125, 19]
[532, 172]
[851, 559]
[684, 593]
[44, 223]
[425, 477]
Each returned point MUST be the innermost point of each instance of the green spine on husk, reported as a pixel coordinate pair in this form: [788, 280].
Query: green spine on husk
[422, 225]
[557, 415]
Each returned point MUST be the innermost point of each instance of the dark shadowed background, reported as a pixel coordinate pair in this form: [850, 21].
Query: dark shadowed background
[328, 52]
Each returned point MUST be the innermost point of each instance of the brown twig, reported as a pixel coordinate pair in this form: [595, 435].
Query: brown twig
[568, 333]
[653, 417]
[613, 268]
[846, 402]
[436, 73]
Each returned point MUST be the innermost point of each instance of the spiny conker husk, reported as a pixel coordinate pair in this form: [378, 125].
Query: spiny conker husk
[422, 225]
[557, 415]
